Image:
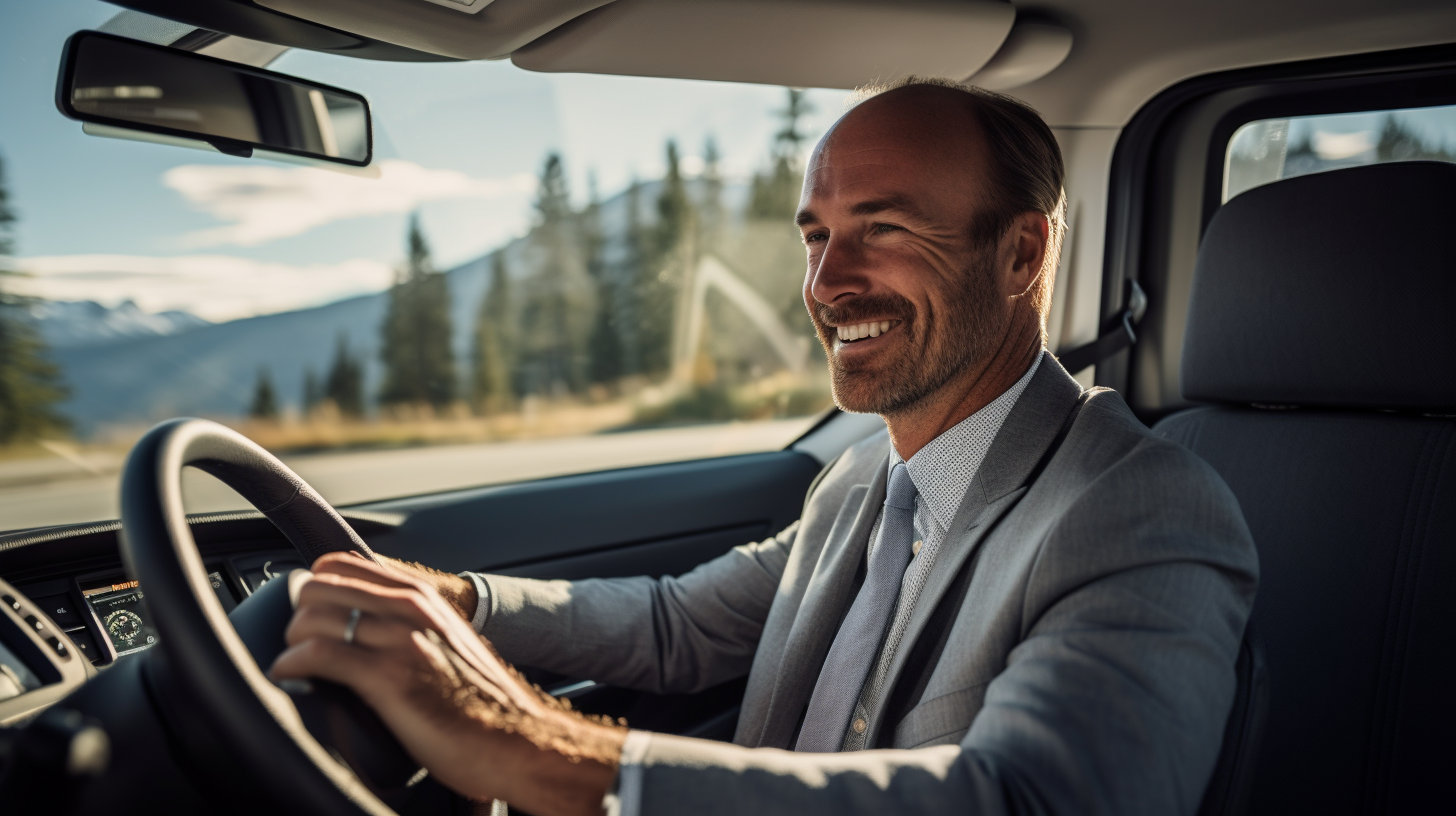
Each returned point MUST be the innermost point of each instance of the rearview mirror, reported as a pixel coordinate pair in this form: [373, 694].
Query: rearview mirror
[118, 82]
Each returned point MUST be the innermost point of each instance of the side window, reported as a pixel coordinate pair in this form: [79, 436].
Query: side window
[1272, 149]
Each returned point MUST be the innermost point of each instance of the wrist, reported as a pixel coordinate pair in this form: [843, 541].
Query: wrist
[457, 591]
[570, 779]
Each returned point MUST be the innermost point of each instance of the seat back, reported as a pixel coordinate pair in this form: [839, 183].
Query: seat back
[1320, 336]
[1243, 735]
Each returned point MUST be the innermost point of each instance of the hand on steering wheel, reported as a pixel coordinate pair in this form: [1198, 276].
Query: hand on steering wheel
[460, 710]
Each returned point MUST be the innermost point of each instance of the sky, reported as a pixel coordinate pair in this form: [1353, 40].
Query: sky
[170, 228]
[1343, 135]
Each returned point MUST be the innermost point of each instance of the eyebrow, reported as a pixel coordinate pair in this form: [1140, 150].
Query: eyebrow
[870, 207]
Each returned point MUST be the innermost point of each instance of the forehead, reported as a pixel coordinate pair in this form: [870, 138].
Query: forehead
[908, 143]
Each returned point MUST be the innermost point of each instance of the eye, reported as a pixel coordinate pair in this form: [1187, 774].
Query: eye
[880, 229]
[815, 236]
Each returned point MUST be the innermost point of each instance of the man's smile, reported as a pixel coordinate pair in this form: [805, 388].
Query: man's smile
[858, 332]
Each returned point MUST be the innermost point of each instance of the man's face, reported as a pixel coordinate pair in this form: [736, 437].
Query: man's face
[902, 292]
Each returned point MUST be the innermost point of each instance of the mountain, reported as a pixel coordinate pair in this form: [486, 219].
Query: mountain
[211, 370]
[76, 324]
[202, 369]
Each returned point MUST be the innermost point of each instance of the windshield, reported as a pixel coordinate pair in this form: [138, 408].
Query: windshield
[550, 274]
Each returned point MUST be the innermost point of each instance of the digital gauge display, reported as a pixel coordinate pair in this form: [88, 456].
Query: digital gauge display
[123, 616]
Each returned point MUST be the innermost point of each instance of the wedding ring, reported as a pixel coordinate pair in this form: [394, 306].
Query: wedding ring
[352, 625]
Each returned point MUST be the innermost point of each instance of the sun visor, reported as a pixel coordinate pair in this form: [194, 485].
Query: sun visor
[800, 43]
[1032, 50]
[483, 29]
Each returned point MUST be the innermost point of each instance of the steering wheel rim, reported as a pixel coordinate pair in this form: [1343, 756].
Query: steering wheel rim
[200, 657]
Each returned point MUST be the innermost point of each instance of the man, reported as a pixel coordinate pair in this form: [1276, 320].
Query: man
[1029, 601]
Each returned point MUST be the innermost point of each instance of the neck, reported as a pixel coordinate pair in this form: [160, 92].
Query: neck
[974, 389]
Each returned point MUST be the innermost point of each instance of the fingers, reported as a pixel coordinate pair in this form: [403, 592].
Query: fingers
[330, 621]
[457, 593]
[380, 678]
[352, 565]
[406, 603]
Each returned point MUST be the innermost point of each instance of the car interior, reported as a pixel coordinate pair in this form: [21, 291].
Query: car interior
[1261, 285]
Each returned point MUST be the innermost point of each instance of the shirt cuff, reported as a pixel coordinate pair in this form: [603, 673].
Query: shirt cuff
[482, 601]
[625, 797]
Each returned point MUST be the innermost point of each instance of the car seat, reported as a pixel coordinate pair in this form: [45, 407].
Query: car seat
[1319, 344]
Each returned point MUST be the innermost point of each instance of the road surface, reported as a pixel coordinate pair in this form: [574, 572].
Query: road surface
[35, 493]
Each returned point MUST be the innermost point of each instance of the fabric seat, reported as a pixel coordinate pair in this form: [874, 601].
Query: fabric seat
[1319, 341]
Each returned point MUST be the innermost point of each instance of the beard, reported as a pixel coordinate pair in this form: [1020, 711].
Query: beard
[935, 348]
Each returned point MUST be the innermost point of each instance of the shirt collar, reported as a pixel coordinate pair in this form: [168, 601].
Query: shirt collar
[942, 470]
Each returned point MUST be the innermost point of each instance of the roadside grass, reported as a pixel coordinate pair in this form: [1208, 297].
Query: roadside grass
[648, 406]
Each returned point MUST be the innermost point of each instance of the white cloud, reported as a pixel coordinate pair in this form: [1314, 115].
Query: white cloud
[217, 287]
[263, 203]
[1333, 146]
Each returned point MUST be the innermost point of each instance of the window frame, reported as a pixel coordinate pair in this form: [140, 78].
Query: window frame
[1166, 184]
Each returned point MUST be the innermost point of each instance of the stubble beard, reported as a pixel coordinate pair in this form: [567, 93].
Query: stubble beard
[934, 349]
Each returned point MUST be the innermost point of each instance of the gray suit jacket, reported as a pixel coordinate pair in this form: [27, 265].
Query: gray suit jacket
[1090, 668]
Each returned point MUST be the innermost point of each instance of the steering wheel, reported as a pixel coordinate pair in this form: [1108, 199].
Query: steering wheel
[225, 715]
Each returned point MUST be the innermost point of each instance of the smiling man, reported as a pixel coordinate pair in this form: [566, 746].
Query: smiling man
[1023, 599]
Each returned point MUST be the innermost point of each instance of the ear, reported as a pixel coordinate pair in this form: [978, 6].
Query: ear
[1027, 238]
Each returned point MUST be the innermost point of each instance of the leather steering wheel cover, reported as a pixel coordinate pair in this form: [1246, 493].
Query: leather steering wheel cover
[202, 653]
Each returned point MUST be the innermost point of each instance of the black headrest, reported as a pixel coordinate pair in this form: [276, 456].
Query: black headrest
[1336, 289]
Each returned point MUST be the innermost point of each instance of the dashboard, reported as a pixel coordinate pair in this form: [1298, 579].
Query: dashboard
[105, 613]
[76, 578]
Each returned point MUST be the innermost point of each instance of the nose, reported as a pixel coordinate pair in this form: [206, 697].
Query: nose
[840, 271]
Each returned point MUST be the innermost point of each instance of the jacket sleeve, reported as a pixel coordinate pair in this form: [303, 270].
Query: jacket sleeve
[666, 635]
[1114, 701]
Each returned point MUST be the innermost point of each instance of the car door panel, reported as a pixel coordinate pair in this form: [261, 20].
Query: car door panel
[701, 507]
[660, 520]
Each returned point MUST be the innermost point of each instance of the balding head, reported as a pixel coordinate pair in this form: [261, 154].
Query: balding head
[991, 147]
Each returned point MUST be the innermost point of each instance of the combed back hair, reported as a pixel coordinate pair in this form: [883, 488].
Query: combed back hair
[1026, 170]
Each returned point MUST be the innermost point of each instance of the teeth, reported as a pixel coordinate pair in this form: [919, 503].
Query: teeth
[859, 331]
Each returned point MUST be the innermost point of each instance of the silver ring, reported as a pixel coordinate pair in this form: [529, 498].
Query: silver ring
[353, 624]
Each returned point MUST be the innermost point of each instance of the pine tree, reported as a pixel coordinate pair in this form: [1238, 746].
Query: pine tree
[1400, 142]
[419, 365]
[710, 206]
[493, 372]
[313, 392]
[30, 384]
[775, 195]
[559, 301]
[606, 357]
[265, 404]
[344, 386]
[631, 277]
[661, 274]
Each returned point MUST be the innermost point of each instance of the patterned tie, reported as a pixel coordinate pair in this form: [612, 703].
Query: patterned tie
[858, 642]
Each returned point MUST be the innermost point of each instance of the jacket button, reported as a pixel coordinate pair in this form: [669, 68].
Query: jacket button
[915, 548]
[859, 725]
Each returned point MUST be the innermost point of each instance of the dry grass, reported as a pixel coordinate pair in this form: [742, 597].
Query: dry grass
[646, 405]
[325, 429]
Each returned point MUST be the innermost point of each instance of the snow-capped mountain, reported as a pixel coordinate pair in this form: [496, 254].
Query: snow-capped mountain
[76, 324]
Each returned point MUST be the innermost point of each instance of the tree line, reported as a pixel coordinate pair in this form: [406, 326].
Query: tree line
[30, 384]
[587, 312]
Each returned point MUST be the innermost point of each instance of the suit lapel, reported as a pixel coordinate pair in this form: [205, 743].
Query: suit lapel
[998, 485]
[819, 614]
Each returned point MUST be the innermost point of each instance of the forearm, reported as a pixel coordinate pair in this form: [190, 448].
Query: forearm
[661, 635]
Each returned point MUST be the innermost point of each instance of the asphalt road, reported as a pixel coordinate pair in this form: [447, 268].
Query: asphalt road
[79, 491]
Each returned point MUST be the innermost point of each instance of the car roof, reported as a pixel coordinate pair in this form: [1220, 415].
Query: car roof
[1122, 53]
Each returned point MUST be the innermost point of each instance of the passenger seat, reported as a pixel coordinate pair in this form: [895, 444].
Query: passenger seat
[1321, 340]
